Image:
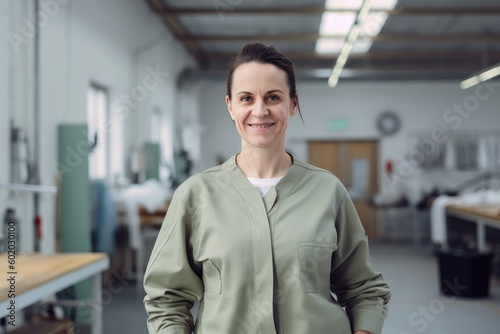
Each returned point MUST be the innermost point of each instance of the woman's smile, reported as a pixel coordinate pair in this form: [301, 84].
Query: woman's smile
[261, 126]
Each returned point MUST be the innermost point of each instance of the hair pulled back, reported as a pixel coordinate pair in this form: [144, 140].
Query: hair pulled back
[263, 54]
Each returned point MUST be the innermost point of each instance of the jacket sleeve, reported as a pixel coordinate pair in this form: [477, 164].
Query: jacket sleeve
[172, 280]
[362, 291]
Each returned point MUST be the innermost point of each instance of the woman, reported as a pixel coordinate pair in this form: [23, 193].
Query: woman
[263, 240]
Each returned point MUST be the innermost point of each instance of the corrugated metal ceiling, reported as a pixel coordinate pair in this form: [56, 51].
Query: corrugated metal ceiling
[447, 38]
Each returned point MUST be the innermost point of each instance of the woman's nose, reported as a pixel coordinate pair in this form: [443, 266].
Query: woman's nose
[260, 109]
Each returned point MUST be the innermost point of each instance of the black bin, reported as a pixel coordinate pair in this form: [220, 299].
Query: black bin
[464, 273]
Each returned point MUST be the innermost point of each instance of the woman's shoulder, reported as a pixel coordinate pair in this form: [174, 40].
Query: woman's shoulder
[318, 172]
[209, 175]
[322, 179]
[201, 184]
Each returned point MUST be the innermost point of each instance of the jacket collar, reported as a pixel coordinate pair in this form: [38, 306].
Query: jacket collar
[289, 181]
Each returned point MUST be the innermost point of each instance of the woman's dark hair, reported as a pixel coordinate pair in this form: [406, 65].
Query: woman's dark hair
[260, 53]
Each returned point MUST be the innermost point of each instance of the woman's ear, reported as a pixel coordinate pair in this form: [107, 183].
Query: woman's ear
[294, 106]
[229, 107]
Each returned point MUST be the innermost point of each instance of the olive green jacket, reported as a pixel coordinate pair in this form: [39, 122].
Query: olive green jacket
[263, 265]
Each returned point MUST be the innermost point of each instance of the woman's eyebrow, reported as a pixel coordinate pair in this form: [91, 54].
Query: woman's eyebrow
[268, 92]
[243, 92]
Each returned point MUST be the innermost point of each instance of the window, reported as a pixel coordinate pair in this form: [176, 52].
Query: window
[97, 116]
[156, 124]
[106, 161]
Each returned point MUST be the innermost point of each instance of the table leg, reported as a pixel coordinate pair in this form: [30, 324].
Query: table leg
[139, 275]
[480, 236]
[417, 227]
[98, 309]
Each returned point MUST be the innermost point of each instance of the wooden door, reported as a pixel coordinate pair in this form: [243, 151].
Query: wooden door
[355, 163]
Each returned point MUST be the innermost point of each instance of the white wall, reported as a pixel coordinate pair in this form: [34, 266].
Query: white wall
[189, 122]
[220, 136]
[16, 102]
[422, 106]
[114, 43]
[4, 114]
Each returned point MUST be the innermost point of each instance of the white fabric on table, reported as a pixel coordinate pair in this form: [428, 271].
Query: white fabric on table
[151, 195]
[438, 209]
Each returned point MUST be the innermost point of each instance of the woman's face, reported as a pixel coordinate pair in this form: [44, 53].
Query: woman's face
[260, 105]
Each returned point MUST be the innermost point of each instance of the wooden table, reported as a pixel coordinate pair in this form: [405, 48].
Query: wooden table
[38, 276]
[154, 219]
[482, 216]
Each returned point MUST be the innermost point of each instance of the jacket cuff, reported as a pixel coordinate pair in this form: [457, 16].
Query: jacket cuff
[168, 330]
[367, 320]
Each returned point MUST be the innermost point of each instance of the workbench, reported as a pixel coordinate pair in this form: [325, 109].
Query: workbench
[481, 215]
[38, 276]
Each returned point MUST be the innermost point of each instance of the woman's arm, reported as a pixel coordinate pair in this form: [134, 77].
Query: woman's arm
[361, 290]
[172, 279]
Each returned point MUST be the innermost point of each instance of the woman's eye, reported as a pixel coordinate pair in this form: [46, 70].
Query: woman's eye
[245, 98]
[273, 98]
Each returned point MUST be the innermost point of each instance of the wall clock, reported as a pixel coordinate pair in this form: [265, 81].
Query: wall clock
[388, 123]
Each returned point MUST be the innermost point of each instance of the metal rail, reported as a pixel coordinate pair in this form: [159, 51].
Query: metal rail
[29, 188]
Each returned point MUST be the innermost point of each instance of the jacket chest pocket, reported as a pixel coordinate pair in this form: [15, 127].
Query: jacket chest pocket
[211, 277]
[315, 264]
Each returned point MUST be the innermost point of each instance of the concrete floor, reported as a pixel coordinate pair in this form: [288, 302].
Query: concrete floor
[416, 307]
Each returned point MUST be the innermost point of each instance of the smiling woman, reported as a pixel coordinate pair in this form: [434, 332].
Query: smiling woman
[261, 97]
[260, 108]
[263, 237]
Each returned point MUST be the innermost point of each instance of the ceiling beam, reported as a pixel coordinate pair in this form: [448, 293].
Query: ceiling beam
[378, 38]
[175, 27]
[402, 55]
[437, 38]
[228, 9]
[378, 71]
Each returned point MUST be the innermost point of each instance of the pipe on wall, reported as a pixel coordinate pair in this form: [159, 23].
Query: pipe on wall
[36, 139]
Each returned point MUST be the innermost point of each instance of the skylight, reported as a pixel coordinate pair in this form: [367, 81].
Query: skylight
[337, 22]
[356, 4]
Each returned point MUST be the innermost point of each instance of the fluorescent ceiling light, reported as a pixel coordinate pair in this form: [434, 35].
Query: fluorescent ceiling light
[370, 27]
[341, 60]
[384, 4]
[349, 43]
[351, 24]
[346, 49]
[484, 75]
[373, 23]
[467, 83]
[353, 34]
[363, 13]
[362, 45]
[489, 74]
[333, 80]
[333, 23]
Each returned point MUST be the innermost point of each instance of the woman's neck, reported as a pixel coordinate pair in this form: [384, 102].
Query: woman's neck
[263, 164]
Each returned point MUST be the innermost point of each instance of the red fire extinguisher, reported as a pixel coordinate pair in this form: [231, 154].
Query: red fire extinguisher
[388, 167]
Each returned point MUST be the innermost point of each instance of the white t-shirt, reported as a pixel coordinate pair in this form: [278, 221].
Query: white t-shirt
[264, 184]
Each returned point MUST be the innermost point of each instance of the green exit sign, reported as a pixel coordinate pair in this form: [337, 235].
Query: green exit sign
[338, 124]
